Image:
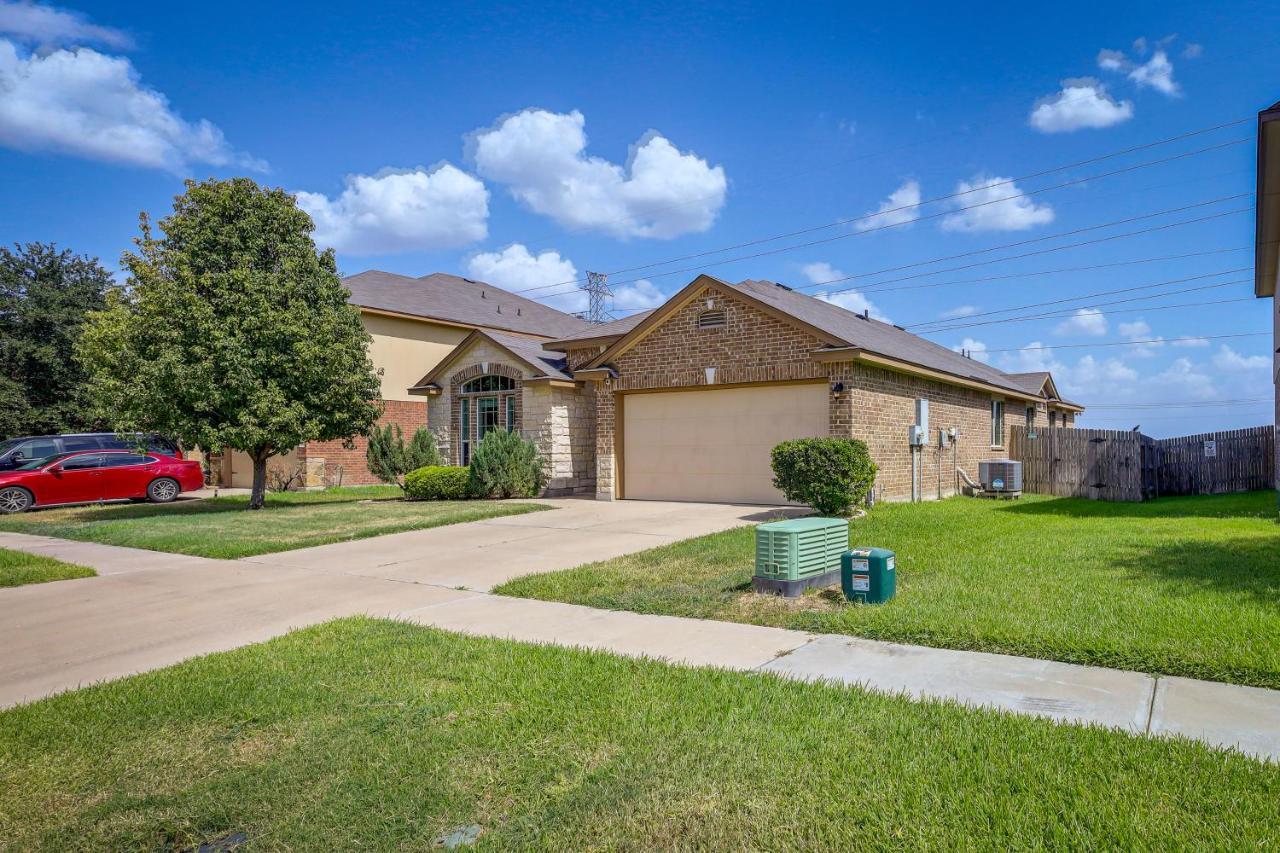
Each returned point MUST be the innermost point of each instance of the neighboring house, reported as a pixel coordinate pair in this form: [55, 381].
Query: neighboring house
[686, 401]
[414, 324]
[1266, 267]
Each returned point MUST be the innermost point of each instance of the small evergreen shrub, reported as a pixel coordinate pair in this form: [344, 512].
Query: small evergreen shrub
[438, 483]
[505, 465]
[832, 475]
[390, 459]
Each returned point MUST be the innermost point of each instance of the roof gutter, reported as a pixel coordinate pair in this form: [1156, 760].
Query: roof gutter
[1267, 242]
[941, 376]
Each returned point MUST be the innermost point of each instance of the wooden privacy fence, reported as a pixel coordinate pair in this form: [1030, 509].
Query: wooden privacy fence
[1113, 465]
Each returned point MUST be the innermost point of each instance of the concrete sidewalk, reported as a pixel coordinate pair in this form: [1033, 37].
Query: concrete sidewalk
[149, 610]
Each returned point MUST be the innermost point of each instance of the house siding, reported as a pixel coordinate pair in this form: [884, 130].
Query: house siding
[874, 404]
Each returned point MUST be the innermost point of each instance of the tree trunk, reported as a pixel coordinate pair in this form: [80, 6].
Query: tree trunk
[259, 497]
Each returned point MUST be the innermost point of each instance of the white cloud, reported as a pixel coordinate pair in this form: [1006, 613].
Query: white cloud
[1032, 358]
[1156, 73]
[515, 268]
[49, 26]
[1140, 330]
[1003, 207]
[1230, 361]
[976, 349]
[1086, 321]
[959, 311]
[1192, 51]
[399, 211]
[1089, 373]
[1113, 60]
[1191, 342]
[88, 104]
[901, 207]
[1082, 103]
[637, 295]
[821, 272]
[541, 156]
[1185, 379]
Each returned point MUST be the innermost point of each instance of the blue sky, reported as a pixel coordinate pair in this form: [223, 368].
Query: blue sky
[526, 145]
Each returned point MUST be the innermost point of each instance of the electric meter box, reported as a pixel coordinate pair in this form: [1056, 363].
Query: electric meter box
[868, 576]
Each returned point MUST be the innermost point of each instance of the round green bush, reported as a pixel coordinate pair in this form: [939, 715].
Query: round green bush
[832, 475]
[438, 483]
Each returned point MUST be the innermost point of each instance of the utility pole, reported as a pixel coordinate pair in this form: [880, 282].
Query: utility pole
[598, 291]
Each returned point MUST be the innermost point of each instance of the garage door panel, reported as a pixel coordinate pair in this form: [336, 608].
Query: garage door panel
[714, 444]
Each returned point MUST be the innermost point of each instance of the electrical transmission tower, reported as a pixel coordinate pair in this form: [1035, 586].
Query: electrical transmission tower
[597, 288]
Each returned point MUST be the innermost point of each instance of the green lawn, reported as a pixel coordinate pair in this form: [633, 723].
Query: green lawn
[18, 568]
[1181, 586]
[375, 735]
[222, 527]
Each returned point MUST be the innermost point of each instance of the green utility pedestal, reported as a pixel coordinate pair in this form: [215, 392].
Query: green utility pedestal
[867, 575]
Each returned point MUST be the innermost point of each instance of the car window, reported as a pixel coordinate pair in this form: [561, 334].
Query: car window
[80, 463]
[37, 448]
[162, 445]
[115, 442]
[32, 464]
[8, 444]
[119, 460]
[72, 443]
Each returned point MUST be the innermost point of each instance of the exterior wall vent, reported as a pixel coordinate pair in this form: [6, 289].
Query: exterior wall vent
[714, 319]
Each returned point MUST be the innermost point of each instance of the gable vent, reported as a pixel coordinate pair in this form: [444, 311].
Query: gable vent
[711, 320]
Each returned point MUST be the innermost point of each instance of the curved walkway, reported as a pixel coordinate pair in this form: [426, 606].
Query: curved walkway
[149, 609]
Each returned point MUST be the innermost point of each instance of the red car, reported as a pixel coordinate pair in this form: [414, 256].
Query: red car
[87, 477]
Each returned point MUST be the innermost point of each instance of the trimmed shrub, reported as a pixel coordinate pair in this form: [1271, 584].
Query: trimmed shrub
[438, 483]
[832, 475]
[505, 465]
[389, 459]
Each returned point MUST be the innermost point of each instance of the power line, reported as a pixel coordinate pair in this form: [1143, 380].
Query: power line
[846, 221]
[1052, 249]
[1066, 246]
[1190, 404]
[1120, 311]
[873, 230]
[824, 167]
[1090, 295]
[1147, 341]
[873, 288]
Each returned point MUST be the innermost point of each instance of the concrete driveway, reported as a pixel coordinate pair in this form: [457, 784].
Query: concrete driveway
[149, 609]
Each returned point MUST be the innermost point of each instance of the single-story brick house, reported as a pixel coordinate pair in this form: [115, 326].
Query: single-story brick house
[684, 402]
[414, 323]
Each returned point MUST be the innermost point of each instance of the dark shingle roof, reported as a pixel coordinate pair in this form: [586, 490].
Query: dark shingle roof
[1032, 383]
[875, 336]
[549, 363]
[460, 300]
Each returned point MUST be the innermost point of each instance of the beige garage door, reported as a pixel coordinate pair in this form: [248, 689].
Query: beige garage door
[714, 445]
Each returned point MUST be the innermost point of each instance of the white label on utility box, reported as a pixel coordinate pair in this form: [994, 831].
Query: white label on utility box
[860, 565]
[889, 566]
[861, 583]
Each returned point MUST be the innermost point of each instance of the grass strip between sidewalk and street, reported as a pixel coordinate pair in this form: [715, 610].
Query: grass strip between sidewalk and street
[18, 568]
[1177, 586]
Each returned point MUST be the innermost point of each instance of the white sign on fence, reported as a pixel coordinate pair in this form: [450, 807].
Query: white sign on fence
[1210, 448]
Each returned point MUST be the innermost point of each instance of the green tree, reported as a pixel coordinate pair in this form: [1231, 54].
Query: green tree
[233, 331]
[390, 460]
[45, 295]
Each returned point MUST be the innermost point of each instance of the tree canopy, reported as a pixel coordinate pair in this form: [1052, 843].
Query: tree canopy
[45, 294]
[233, 331]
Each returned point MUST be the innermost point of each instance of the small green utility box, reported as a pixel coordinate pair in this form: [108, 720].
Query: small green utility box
[799, 554]
[867, 575]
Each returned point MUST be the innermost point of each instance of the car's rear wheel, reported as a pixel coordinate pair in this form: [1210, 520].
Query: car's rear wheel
[162, 491]
[15, 499]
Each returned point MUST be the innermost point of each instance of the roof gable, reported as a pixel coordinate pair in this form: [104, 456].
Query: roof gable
[524, 351]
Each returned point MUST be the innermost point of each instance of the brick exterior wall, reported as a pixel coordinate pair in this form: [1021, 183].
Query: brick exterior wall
[874, 404]
[349, 465]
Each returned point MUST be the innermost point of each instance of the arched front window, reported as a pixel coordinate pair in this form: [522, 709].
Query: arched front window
[490, 403]
[488, 385]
